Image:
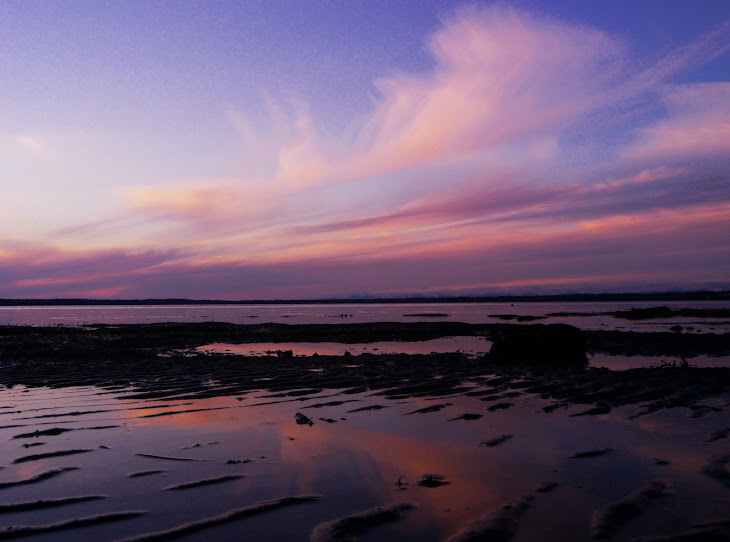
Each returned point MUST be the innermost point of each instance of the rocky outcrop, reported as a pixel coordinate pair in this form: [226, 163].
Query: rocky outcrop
[553, 344]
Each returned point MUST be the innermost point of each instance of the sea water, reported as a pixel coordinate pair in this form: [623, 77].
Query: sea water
[352, 313]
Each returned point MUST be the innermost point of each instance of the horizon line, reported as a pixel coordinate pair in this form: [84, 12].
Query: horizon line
[695, 295]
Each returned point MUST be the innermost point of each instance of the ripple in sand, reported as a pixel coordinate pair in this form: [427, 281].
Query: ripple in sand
[467, 417]
[38, 457]
[169, 458]
[232, 515]
[718, 435]
[205, 482]
[499, 525]
[22, 531]
[495, 441]
[177, 412]
[428, 409]
[141, 473]
[349, 527]
[500, 406]
[608, 519]
[55, 431]
[331, 403]
[66, 414]
[47, 503]
[37, 478]
[591, 453]
[367, 408]
[700, 532]
[718, 469]
[546, 487]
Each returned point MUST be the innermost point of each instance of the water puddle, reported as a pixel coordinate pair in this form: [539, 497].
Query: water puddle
[621, 363]
[471, 346]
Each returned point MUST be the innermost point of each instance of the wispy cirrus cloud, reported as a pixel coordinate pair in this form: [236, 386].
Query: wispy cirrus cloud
[498, 149]
[44, 270]
[698, 124]
[507, 90]
[640, 251]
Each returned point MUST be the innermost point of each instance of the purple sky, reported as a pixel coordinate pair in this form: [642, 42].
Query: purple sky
[298, 149]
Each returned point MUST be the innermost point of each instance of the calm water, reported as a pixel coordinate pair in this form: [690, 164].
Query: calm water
[354, 313]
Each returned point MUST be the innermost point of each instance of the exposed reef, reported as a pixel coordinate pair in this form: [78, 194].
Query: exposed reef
[551, 345]
[160, 360]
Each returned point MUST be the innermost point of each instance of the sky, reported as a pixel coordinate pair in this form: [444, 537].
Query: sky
[315, 149]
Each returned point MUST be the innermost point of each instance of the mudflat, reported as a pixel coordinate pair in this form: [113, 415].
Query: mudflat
[132, 433]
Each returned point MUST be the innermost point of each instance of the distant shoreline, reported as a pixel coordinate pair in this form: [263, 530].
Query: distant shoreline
[700, 295]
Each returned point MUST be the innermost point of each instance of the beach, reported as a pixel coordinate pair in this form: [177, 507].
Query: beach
[140, 432]
[339, 271]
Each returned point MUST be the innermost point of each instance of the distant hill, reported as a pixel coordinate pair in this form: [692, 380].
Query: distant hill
[628, 296]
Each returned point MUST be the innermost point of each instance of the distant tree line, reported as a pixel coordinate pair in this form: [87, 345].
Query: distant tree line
[702, 295]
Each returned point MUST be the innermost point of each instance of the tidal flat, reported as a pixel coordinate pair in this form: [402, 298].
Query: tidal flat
[131, 432]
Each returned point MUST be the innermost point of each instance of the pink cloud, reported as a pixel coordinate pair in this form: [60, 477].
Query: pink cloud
[662, 247]
[26, 267]
[698, 124]
[479, 162]
[499, 79]
[506, 86]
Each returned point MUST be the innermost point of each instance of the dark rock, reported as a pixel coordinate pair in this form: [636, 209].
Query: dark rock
[301, 419]
[552, 344]
[432, 480]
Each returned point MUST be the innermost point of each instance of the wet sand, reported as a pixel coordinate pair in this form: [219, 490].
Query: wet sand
[130, 433]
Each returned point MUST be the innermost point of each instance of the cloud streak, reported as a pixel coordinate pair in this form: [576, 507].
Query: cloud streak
[531, 150]
[658, 248]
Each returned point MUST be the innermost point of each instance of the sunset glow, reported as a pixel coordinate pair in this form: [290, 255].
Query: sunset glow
[294, 150]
